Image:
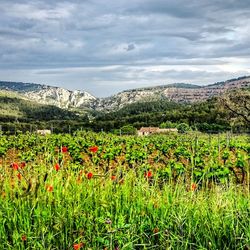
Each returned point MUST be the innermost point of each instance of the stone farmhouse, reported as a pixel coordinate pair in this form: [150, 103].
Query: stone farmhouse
[43, 131]
[154, 130]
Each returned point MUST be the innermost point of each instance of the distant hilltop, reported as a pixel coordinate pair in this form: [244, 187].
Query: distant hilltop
[67, 99]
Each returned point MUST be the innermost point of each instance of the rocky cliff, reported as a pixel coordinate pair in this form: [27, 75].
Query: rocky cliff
[45, 94]
[63, 98]
[181, 93]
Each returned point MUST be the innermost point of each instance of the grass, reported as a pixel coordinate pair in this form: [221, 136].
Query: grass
[135, 213]
[122, 206]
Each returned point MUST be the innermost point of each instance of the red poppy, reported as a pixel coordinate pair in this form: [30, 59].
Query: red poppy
[19, 176]
[57, 166]
[93, 149]
[78, 246]
[23, 164]
[89, 175]
[64, 149]
[148, 174]
[113, 177]
[24, 237]
[15, 166]
[193, 187]
[49, 188]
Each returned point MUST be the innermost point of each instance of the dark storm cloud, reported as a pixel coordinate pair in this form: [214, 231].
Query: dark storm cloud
[89, 44]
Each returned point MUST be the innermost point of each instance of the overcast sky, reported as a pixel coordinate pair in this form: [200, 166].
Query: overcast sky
[105, 46]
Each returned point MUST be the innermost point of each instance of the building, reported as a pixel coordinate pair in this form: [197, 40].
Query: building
[155, 130]
[43, 131]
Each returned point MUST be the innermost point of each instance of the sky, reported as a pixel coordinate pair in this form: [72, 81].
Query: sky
[106, 46]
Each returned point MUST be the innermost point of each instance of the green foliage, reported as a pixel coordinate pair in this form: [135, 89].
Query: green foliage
[183, 128]
[158, 192]
[16, 108]
[168, 124]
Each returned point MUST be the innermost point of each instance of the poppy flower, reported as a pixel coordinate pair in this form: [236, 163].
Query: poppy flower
[78, 246]
[23, 164]
[113, 177]
[57, 166]
[89, 175]
[24, 237]
[193, 187]
[19, 176]
[148, 174]
[49, 188]
[64, 149]
[15, 166]
[93, 149]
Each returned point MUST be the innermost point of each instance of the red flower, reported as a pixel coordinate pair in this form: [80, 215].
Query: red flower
[24, 237]
[49, 188]
[89, 175]
[23, 164]
[93, 149]
[57, 166]
[64, 149]
[15, 166]
[148, 174]
[193, 187]
[113, 177]
[78, 246]
[19, 176]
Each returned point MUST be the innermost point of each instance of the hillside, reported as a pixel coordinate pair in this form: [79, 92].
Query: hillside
[179, 93]
[82, 100]
[14, 107]
[45, 94]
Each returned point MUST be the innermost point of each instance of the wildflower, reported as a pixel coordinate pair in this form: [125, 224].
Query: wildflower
[57, 166]
[93, 149]
[15, 166]
[49, 188]
[108, 221]
[23, 164]
[113, 177]
[64, 149]
[193, 187]
[148, 174]
[78, 246]
[24, 237]
[19, 176]
[89, 175]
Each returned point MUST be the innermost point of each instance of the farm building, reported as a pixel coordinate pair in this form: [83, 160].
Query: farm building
[154, 130]
[43, 131]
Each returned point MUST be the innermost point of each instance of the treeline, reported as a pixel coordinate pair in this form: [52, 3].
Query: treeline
[22, 115]
[206, 116]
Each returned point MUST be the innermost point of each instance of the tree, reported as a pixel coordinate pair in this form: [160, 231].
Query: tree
[183, 127]
[237, 103]
[128, 130]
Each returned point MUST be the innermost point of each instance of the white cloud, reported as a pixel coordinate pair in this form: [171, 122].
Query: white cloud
[106, 46]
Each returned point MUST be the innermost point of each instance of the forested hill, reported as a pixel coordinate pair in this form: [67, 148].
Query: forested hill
[14, 108]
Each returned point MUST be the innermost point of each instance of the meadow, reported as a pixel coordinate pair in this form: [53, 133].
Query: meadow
[101, 191]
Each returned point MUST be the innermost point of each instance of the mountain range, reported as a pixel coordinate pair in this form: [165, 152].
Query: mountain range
[82, 100]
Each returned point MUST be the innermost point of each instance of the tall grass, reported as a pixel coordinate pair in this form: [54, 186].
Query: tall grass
[134, 212]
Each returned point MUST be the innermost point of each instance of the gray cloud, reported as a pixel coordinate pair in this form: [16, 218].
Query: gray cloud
[74, 42]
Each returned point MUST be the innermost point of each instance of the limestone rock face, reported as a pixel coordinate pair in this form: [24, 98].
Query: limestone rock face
[63, 98]
[44, 94]
[181, 93]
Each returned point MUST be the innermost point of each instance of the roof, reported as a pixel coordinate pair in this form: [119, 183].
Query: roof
[148, 129]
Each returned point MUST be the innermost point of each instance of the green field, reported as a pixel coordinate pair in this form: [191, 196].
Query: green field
[101, 191]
